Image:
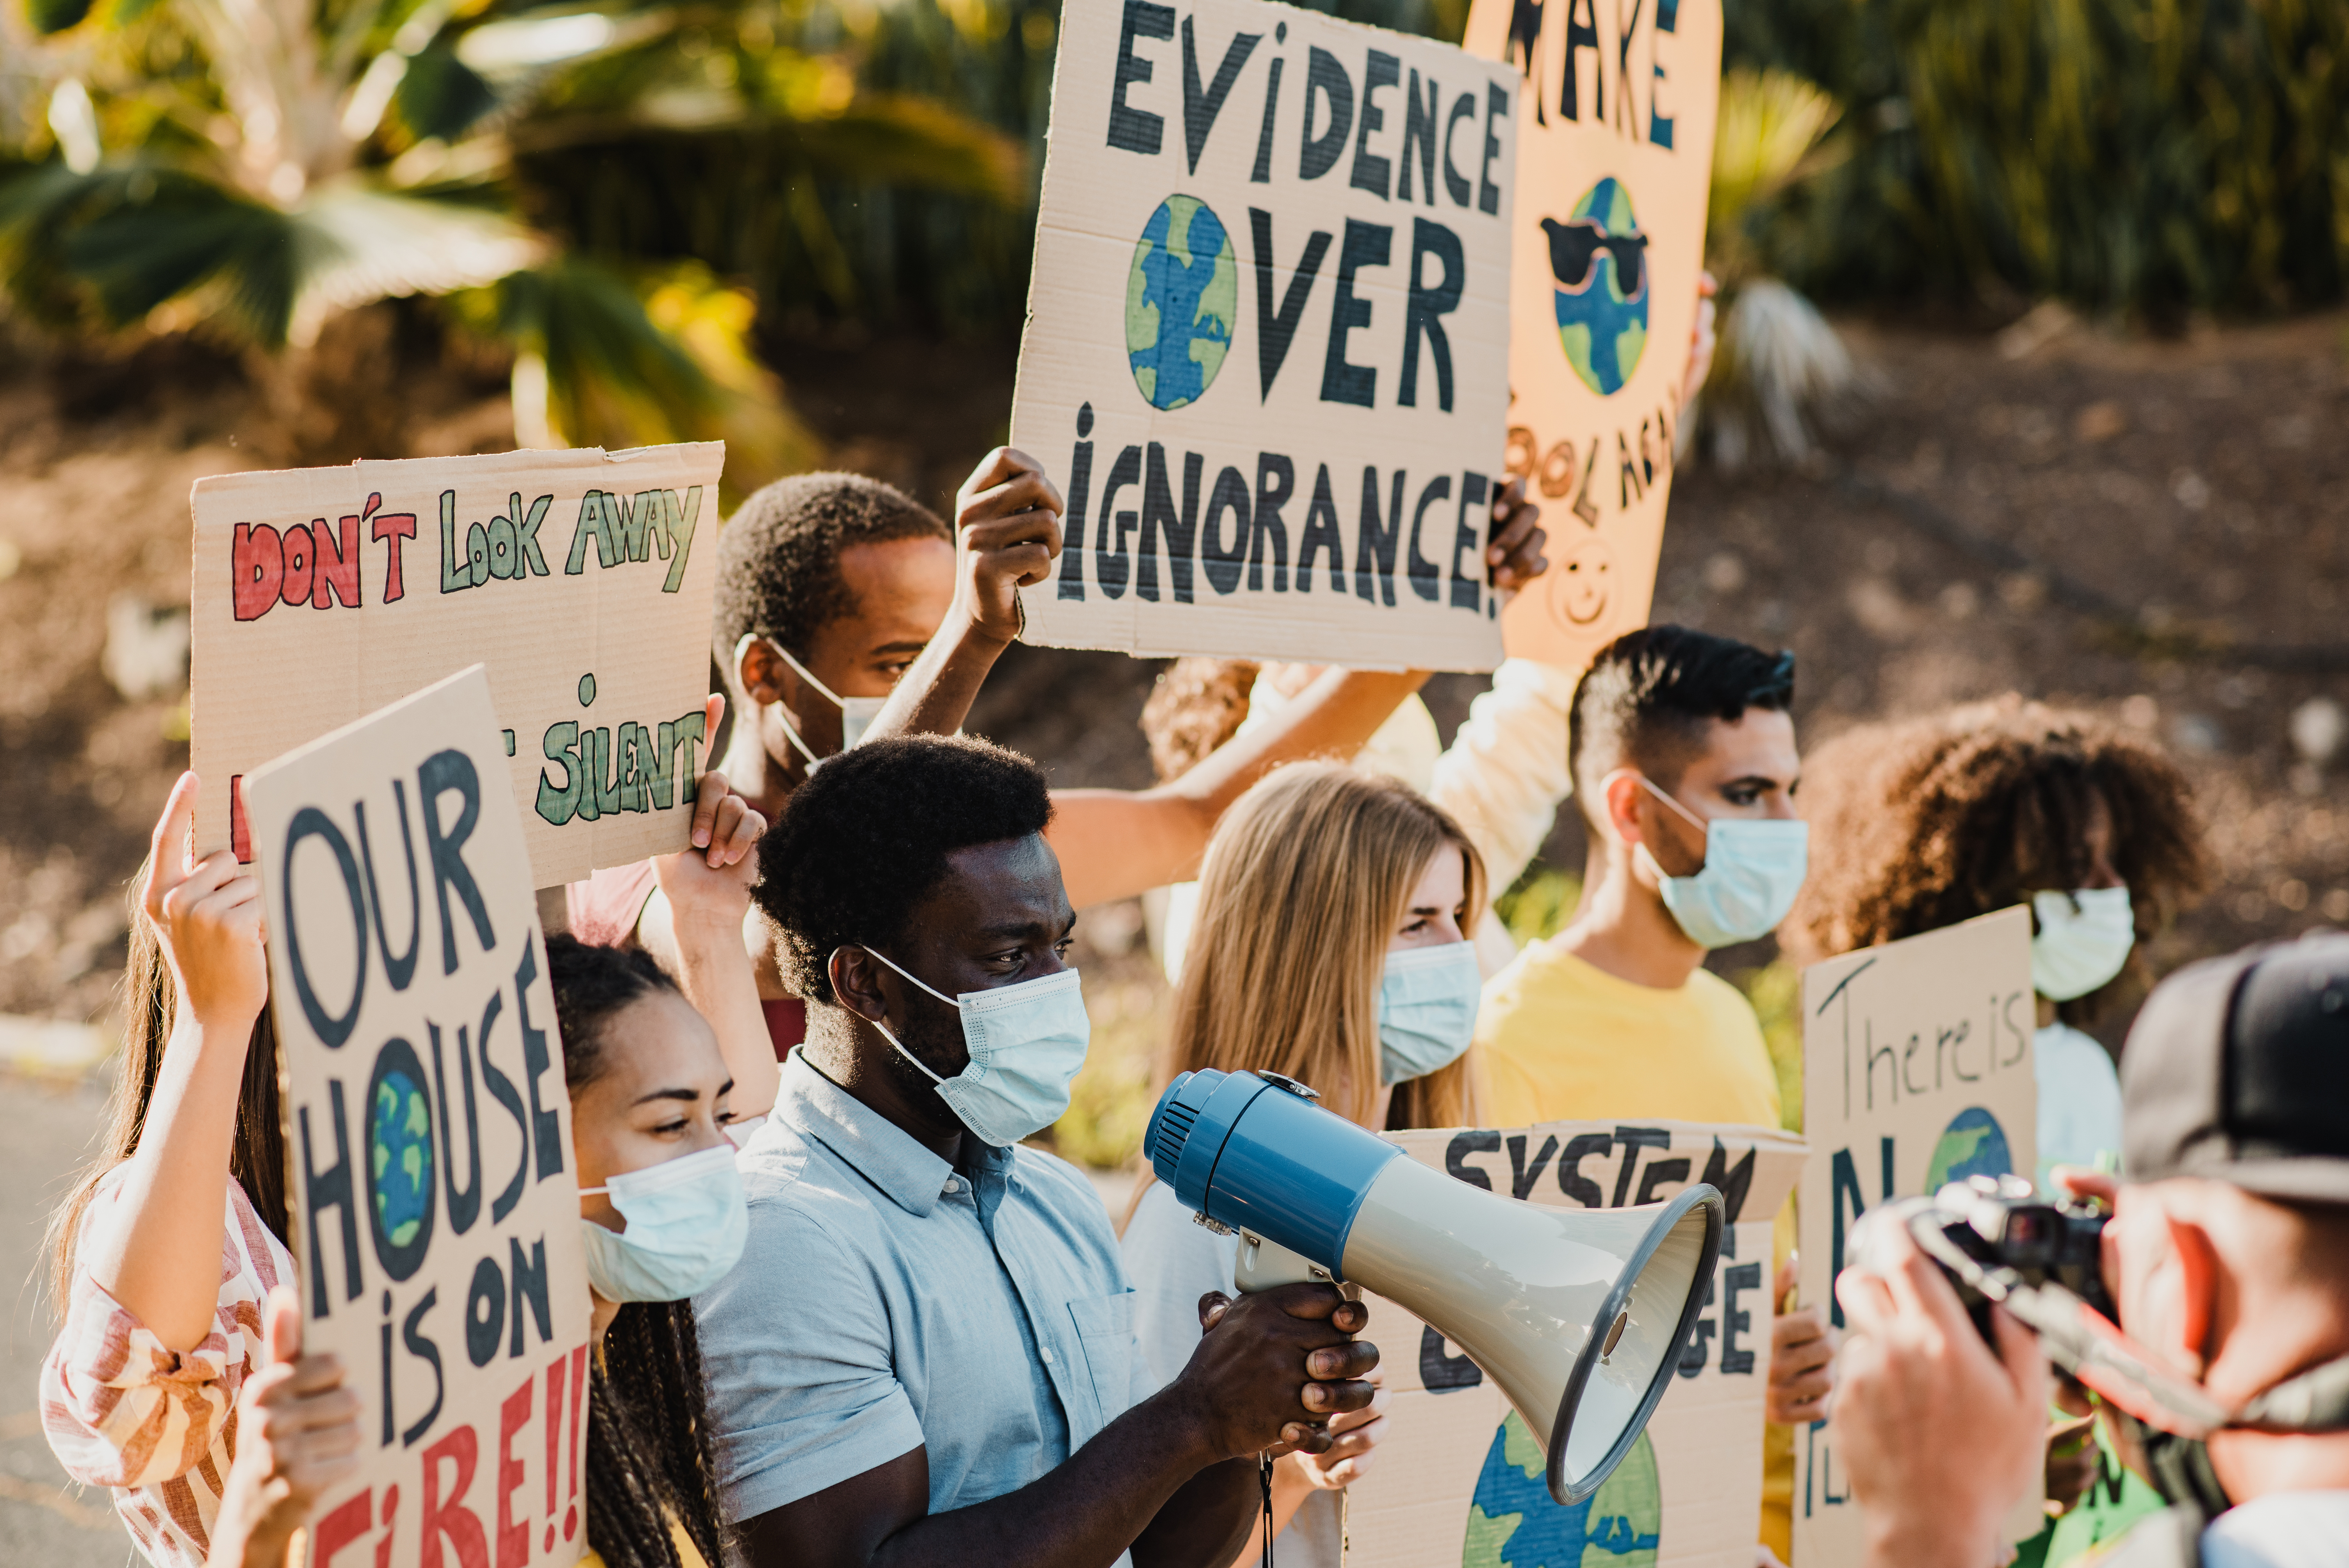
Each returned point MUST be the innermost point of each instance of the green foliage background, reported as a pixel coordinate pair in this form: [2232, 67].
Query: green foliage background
[2146, 156]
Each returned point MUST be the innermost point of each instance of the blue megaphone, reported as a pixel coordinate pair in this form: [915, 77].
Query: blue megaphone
[1579, 1315]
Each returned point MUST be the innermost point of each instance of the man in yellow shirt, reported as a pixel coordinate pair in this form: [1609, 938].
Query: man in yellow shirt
[1682, 756]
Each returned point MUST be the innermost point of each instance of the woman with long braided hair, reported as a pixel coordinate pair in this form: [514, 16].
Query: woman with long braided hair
[665, 1218]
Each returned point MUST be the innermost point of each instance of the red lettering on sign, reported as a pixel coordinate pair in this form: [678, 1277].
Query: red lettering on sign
[390, 1518]
[554, 1440]
[301, 553]
[337, 573]
[343, 1526]
[452, 1520]
[513, 1537]
[388, 530]
[258, 559]
[578, 1414]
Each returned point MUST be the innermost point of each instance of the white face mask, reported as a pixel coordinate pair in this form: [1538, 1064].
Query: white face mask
[2084, 939]
[1026, 1041]
[1427, 1008]
[686, 1222]
[1753, 867]
[856, 713]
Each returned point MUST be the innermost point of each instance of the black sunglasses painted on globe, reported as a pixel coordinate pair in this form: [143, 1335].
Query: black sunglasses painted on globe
[1576, 245]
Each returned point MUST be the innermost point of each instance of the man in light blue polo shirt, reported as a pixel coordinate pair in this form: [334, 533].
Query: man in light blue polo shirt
[926, 1353]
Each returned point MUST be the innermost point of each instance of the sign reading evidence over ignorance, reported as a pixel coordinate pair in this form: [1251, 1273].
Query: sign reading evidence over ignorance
[1267, 337]
[1460, 1477]
[1917, 1071]
[581, 579]
[435, 1221]
[1614, 167]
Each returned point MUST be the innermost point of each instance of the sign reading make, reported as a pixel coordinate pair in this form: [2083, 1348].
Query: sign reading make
[581, 579]
[1268, 344]
[1618, 103]
[435, 1220]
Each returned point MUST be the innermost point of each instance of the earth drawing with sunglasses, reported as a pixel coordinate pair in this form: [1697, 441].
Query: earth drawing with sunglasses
[1598, 258]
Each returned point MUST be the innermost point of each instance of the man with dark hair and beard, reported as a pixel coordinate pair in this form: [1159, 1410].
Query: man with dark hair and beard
[927, 1353]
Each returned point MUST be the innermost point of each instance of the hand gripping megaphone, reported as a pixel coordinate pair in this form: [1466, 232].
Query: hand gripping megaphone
[1580, 1318]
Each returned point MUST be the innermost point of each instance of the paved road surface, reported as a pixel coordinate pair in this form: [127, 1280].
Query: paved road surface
[45, 1521]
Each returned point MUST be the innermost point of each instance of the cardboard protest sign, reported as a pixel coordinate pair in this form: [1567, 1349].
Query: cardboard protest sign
[1614, 167]
[1917, 1071]
[1267, 336]
[581, 579]
[1460, 1477]
[434, 1215]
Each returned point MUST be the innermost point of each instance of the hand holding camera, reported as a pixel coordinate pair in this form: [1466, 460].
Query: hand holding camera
[1912, 1362]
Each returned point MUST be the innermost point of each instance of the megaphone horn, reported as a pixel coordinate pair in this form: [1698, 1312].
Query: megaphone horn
[1580, 1318]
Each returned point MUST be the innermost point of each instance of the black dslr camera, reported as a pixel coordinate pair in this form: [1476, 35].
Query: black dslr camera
[1999, 1242]
[1991, 1233]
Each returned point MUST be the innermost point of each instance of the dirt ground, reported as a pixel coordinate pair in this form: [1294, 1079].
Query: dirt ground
[2156, 528]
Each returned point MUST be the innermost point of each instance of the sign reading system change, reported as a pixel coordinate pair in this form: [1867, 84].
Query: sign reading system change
[1616, 165]
[1267, 354]
[581, 579]
[435, 1217]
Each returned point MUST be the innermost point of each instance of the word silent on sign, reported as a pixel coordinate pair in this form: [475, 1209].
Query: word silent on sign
[314, 563]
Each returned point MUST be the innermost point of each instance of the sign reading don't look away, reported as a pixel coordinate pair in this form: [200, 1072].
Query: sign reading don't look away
[581, 579]
[1268, 344]
[435, 1217]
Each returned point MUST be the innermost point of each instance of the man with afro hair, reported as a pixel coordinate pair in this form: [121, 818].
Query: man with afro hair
[926, 1352]
[845, 609]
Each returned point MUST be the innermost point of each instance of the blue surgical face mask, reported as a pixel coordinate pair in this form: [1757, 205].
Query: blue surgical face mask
[1427, 1009]
[1753, 867]
[686, 1223]
[856, 713]
[1026, 1041]
[2084, 939]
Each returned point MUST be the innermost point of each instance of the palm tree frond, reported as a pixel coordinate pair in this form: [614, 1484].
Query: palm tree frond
[359, 246]
[1767, 136]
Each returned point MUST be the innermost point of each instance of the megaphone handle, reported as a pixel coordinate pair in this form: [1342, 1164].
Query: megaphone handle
[1264, 1481]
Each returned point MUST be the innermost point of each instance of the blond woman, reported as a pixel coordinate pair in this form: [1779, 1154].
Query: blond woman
[1329, 945]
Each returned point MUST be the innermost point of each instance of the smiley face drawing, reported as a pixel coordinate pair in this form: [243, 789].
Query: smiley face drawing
[1582, 584]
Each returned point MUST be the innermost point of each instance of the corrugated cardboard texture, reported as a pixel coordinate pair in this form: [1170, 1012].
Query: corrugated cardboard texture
[1213, 418]
[1419, 1504]
[1631, 102]
[581, 579]
[1915, 1068]
[435, 1216]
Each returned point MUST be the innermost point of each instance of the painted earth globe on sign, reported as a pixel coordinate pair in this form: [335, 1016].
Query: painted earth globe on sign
[1598, 273]
[400, 1142]
[1514, 1523]
[1182, 295]
[1974, 1144]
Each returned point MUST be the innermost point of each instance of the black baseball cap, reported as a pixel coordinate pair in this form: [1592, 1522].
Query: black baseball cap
[2238, 1069]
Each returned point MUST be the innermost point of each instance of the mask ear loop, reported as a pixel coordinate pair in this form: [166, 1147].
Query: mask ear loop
[1699, 823]
[892, 1038]
[790, 730]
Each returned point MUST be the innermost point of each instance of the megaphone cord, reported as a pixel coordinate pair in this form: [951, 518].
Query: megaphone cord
[1264, 1481]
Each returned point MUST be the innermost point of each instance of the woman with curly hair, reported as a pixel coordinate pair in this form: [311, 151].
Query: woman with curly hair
[1922, 824]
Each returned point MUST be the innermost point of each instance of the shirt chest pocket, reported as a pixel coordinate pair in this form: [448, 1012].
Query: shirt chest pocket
[1105, 1337]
